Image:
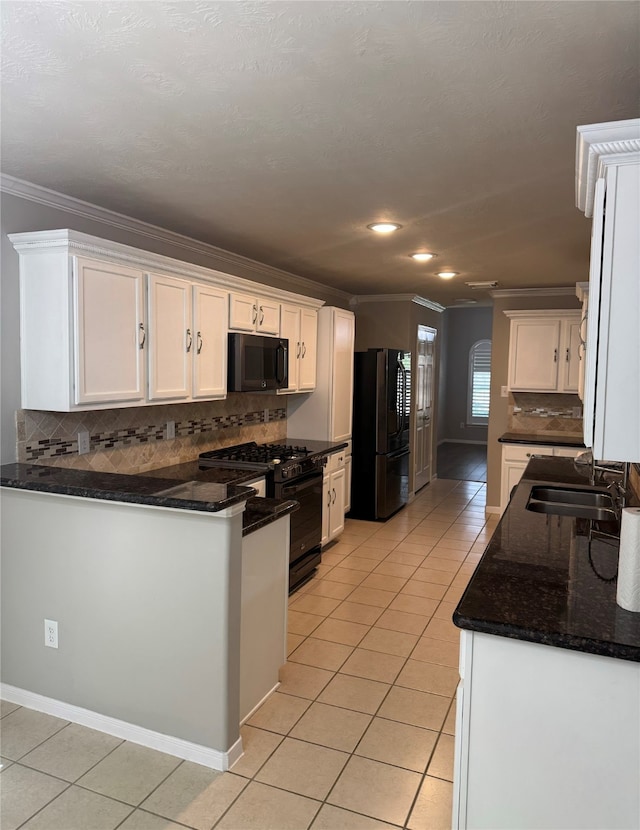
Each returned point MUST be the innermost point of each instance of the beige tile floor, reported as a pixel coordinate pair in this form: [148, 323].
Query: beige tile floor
[359, 736]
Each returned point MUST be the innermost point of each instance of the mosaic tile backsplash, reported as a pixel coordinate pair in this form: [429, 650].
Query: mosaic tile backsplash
[539, 412]
[134, 439]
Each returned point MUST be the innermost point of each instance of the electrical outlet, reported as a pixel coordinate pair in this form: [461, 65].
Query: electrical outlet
[171, 429]
[51, 633]
[461, 424]
[266, 416]
[504, 391]
[83, 442]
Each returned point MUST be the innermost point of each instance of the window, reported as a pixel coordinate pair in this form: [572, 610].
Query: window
[479, 383]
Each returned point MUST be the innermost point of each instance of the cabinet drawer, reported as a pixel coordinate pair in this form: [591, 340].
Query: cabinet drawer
[336, 461]
[523, 452]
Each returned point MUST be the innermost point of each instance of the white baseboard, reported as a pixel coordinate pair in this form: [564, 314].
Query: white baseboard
[489, 509]
[460, 441]
[177, 747]
[259, 704]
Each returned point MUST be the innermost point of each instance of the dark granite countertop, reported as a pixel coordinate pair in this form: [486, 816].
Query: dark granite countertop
[316, 447]
[542, 581]
[132, 489]
[216, 489]
[547, 439]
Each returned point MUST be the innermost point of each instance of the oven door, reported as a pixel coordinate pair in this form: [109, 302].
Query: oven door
[306, 524]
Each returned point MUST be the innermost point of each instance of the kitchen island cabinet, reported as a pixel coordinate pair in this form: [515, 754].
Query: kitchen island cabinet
[144, 576]
[548, 706]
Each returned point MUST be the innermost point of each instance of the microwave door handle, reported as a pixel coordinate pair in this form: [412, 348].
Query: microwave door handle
[281, 362]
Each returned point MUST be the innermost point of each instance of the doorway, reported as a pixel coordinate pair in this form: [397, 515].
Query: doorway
[424, 394]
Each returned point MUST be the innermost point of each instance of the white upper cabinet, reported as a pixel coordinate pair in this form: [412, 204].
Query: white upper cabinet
[209, 349]
[110, 337]
[326, 414]
[170, 338]
[104, 325]
[608, 189]
[253, 314]
[300, 327]
[544, 353]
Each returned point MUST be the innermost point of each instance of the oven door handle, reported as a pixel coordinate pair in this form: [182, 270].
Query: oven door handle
[300, 484]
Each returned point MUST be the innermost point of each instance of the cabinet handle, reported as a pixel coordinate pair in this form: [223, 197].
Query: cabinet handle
[144, 335]
[255, 314]
[261, 321]
[298, 350]
[555, 355]
[189, 340]
[328, 498]
[334, 496]
[199, 342]
[567, 356]
[304, 348]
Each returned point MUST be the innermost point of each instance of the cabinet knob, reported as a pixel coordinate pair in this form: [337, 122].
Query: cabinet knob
[144, 335]
[189, 340]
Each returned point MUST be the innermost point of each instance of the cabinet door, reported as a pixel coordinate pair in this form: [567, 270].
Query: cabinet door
[210, 342]
[511, 474]
[268, 316]
[336, 514]
[326, 509]
[290, 328]
[110, 338]
[571, 357]
[170, 338]
[341, 386]
[347, 484]
[533, 354]
[243, 312]
[308, 349]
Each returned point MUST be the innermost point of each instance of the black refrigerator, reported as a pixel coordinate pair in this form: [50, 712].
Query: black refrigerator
[380, 439]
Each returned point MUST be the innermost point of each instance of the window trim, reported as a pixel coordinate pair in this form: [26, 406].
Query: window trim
[476, 420]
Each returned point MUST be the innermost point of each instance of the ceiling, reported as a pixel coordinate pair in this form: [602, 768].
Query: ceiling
[279, 130]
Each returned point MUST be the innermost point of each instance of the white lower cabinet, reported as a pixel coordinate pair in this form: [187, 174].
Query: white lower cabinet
[546, 737]
[334, 496]
[515, 458]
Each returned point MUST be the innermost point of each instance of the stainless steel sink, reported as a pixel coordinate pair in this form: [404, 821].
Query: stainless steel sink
[567, 501]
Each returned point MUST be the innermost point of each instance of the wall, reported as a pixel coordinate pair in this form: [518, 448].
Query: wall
[22, 215]
[499, 406]
[464, 327]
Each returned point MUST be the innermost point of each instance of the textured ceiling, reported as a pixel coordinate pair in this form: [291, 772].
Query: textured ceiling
[278, 130]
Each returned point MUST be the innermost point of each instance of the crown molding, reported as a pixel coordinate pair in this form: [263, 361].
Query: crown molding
[71, 242]
[259, 271]
[598, 145]
[540, 312]
[358, 299]
[558, 291]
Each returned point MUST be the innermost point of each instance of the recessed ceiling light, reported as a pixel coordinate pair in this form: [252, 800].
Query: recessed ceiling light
[422, 256]
[384, 227]
[447, 275]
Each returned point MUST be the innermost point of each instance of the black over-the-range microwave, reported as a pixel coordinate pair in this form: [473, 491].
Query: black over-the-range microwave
[257, 363]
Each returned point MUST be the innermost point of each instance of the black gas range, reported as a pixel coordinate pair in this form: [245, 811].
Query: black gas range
[291, 472]
[279, 462]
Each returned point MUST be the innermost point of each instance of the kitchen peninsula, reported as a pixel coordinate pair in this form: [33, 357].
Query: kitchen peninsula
[548, 707]
[145, 588]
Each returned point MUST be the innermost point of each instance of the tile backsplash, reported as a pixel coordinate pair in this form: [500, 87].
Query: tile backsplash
[538, 412]
[134, 439]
